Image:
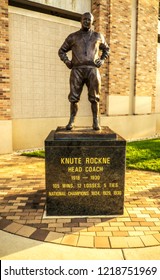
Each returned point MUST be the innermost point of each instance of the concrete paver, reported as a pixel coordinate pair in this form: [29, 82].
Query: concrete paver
[26, 231]
[70, 239]
[102, 242]
[13, 228]
[157, 236]
[54, 237]
[149, 240]
[119, 242]
[86, 241]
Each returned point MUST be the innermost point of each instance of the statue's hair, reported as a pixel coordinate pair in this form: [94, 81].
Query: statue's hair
[86, 14]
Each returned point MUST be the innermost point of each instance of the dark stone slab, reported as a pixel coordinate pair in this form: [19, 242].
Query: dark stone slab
[4, 223]
[85, 172]
[39, 234]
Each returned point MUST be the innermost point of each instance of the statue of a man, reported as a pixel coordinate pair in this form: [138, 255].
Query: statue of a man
[89, 50]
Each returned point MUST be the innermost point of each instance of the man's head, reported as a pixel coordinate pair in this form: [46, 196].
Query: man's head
[87, 21]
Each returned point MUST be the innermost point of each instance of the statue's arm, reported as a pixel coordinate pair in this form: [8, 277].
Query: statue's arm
[66, 47]
[104, 48]
[105, 51]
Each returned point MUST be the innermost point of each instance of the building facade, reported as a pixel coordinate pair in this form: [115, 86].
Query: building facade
[34, 83]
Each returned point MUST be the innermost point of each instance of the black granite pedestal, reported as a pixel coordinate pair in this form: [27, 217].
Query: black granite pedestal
[85, 172]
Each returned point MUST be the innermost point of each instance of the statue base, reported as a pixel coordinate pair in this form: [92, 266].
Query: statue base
[85, 172]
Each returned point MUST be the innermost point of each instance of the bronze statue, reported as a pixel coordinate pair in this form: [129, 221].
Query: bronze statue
[85, 45]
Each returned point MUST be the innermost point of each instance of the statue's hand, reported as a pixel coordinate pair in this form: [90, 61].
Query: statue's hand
[99, 62]
[69, 64]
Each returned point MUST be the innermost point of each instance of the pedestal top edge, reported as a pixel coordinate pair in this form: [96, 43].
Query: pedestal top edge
[83, 133]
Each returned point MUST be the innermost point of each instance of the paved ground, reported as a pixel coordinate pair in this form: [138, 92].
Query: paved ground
[22, 204]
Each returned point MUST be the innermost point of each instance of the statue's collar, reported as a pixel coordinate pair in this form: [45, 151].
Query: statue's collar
[86, 31]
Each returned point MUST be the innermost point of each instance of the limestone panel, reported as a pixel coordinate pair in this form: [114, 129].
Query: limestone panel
[6, 136]
[143, 104]
[118, 105]
[158, 81]
[69, 5]
[39, 80]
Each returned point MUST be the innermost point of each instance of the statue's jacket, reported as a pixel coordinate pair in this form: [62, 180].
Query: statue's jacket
[86, 47]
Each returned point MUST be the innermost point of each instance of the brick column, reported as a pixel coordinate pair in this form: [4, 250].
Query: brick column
[5, 106]
[120, 44]
[101, 11]
[146, 56]
[113, 19]
[5, 102]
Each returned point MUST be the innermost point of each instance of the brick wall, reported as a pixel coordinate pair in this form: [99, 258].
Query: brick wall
[147, 36]
[5, 112]
[114, 19]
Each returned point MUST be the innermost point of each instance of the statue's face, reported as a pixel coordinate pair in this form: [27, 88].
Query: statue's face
[87, 21]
